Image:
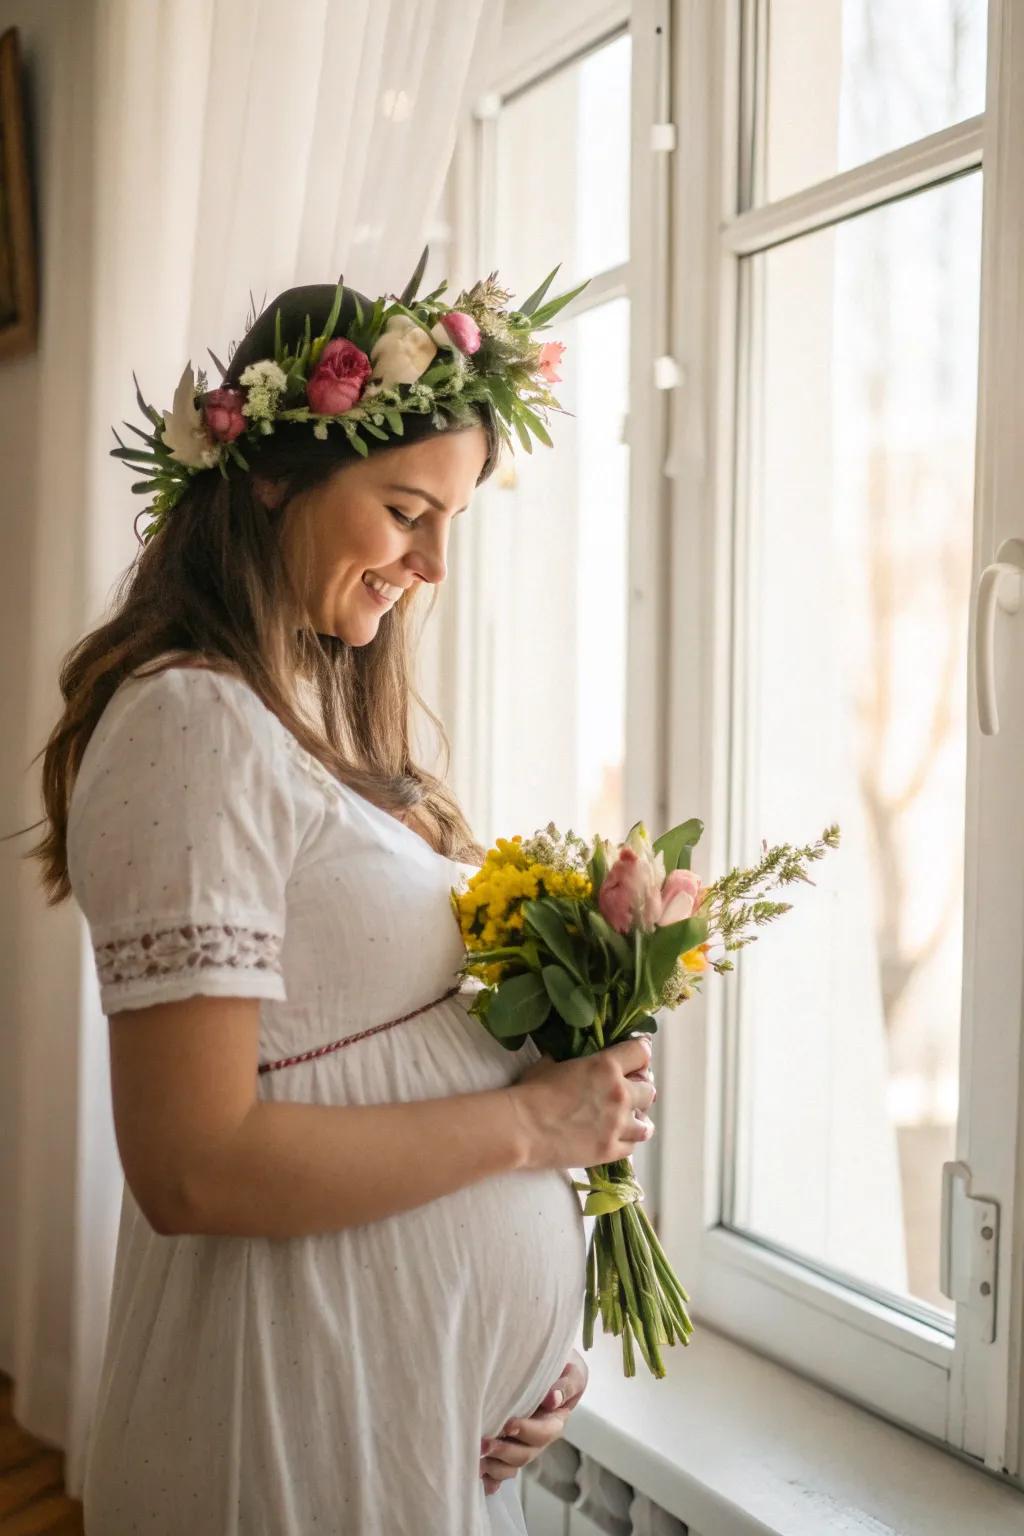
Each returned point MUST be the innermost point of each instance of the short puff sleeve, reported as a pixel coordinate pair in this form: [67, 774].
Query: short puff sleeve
[181, 840]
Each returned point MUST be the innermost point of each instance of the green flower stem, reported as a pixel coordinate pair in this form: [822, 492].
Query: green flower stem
[629, 1280]
[590, 1298]
[656, 1313]
[640, 1313]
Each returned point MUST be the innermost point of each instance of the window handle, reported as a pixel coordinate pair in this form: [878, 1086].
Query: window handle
[1000, 582]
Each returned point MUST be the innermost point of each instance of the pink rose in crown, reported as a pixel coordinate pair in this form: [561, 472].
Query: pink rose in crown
[463, 330]
[337, 382]
[550, 359]
[222, 410]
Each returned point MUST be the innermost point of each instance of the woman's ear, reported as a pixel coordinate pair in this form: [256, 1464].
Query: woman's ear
[270, 492]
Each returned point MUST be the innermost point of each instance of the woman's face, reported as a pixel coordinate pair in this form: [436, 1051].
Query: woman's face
[388, 516]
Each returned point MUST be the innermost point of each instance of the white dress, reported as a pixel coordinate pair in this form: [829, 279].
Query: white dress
[338, 1383]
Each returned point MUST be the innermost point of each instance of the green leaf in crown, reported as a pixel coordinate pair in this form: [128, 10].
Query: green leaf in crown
[370, 363]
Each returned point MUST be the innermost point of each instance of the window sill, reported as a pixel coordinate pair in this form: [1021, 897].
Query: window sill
[733, 1444]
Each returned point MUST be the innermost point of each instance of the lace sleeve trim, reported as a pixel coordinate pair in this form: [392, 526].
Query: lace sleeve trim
[187, 947]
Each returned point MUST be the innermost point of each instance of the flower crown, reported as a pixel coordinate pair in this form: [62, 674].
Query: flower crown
[404, 356]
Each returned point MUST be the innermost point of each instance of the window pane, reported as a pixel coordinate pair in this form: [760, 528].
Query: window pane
[558, 537]
[563, 168]
[847, 80]
[861, 423]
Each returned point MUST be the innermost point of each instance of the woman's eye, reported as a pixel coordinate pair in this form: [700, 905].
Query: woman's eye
[409, 522]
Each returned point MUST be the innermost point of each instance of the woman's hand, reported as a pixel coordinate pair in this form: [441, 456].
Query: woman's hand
[586, 1110]
[522, 1440]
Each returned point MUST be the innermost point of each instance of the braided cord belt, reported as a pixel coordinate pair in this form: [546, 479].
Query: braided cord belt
[364, 1034]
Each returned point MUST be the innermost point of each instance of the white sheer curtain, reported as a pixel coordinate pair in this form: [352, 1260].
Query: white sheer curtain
[212, 147]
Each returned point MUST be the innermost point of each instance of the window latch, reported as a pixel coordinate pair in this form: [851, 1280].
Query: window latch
[969, 1247]
[667, 373]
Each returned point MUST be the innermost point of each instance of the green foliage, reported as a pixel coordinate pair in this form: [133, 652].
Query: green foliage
[503, 372]
[678, 843]
[520, 1005]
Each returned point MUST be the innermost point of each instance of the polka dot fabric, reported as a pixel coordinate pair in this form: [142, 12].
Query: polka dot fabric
[339, 1382]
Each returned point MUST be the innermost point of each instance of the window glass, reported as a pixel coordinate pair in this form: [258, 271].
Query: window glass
[557, 527]
[563, 168]
[860, 426]
[558, 535]
[847, 80]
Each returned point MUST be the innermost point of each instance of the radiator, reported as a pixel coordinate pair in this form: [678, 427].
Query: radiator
[566, 1494]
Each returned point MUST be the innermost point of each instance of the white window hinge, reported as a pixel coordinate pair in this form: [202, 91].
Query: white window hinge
[663, 137]
[969, 1247]
[667, 373]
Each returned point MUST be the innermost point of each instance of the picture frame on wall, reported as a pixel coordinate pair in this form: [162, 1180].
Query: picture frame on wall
[18, 285]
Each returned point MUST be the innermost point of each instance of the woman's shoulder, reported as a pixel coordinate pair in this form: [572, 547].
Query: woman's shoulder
[175, 693]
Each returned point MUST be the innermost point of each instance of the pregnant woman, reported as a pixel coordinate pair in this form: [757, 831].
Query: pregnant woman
[350, 1263]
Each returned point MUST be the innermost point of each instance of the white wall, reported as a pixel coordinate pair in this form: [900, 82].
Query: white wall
[39, 549]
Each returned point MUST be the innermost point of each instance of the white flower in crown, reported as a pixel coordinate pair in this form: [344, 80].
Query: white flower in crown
[402, 351]
[265, 383]
[184, 431]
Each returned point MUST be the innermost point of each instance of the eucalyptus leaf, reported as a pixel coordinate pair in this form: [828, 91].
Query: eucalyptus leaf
[518, 1006]
[575, 1003]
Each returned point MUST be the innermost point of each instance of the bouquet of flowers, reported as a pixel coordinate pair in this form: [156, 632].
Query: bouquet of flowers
[578, 945]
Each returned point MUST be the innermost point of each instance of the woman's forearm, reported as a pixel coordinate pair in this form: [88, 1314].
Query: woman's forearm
[294, 1169]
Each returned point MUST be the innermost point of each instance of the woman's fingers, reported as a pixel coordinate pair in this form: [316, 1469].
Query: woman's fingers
[642, 1095]
[644, 1074]
[507, 1455]
[539, 1429]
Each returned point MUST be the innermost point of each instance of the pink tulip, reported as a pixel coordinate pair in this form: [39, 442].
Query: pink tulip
[680, 895]
[463, 330]
[337, 382]
[629, 892]
[222, 409]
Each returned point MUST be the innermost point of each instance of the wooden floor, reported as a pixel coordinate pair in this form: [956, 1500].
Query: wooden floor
[32, 1497]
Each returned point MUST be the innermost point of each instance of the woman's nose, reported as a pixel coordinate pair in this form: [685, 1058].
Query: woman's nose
[429, 560]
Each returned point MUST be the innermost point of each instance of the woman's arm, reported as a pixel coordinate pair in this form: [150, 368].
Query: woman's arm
[202, 1154]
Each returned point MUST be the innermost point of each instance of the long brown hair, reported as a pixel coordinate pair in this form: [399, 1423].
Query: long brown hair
[211, 588]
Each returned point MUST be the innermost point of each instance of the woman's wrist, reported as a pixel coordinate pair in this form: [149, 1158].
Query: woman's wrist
[522, 1128]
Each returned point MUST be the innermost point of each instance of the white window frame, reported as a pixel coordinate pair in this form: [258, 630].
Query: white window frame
[538, 40]
[962, 1391]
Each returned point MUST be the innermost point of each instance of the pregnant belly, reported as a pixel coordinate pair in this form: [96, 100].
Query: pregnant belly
[482, 1289]
[474, 1299]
